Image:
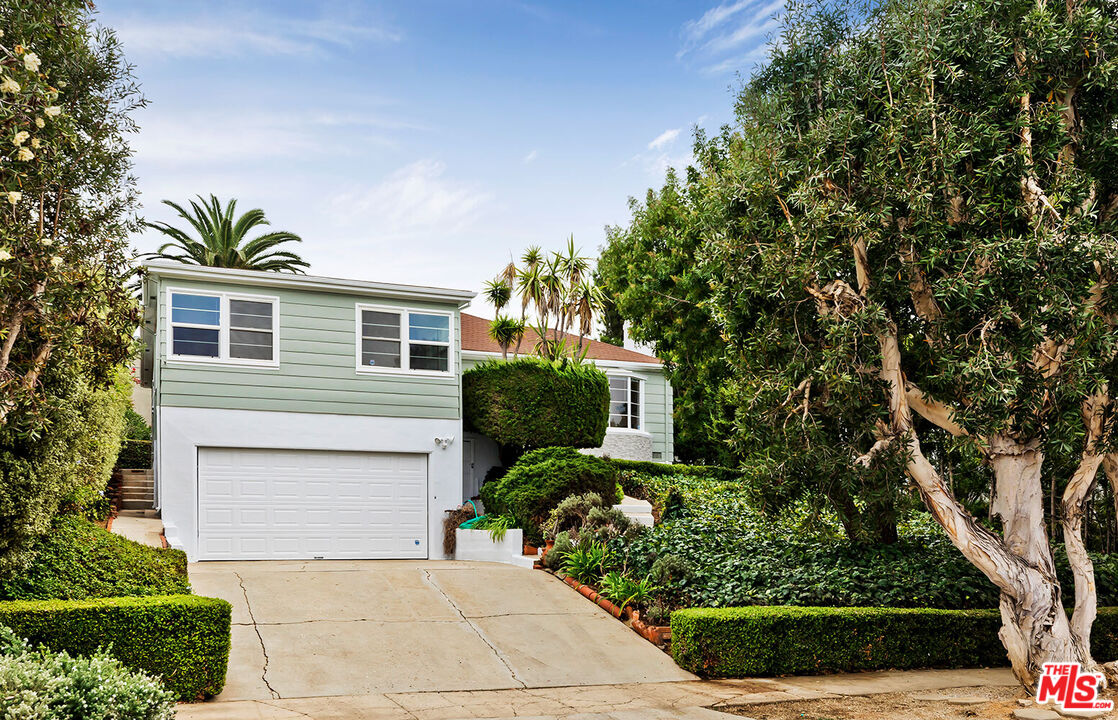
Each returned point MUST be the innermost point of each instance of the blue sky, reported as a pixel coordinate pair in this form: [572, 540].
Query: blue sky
[421, 142]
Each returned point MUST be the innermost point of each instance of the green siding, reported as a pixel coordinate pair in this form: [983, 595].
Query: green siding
[657, 411]
[317, 371]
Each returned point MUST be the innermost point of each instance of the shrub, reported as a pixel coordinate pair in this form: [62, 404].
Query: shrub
[535, 403]
[183, 639]
[135, 451]
[41, 685]
[571, 513]
[71, 460]
[756, 641]
[587, 562]
[622, 590]
[554, 558]
[543, 478]
[79, 560]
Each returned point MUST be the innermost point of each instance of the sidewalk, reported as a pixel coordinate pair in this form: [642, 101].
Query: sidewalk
[688, 700]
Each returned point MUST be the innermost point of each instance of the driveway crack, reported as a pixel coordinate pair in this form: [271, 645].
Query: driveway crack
[499, 655]
[256, 629]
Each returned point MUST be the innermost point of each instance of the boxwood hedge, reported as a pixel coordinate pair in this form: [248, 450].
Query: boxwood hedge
[535, 403]
[770, 640]
[184, 639]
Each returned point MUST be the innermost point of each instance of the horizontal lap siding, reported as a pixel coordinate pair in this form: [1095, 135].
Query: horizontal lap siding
[317, 370]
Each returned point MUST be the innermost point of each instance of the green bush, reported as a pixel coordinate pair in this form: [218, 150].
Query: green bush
[541, 479]
[760, 641]
[41, 685]
[79, 560]
[70, 461]
[535, 403]
[135, 451]
[183, 639]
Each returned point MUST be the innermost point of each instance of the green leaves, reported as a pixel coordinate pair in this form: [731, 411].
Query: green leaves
[221, 239]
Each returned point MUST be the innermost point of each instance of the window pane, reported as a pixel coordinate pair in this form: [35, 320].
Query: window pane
[429, 328]
[619, 408]
[250, 314]
[197, 342]
[429, 357]
[635, 405]
[618, 421]
[196, 309]
[250, 345]
[635, 421]
[380, 324]
[380, 353]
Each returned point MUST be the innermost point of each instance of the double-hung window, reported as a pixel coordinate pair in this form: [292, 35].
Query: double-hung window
[401, 340]
[625, 402]
[224, 327]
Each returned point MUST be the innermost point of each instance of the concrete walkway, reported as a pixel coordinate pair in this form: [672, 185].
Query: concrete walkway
[686, 700]
[142, 526]
[368, 629]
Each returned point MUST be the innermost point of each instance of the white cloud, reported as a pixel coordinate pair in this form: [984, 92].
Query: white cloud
[664, 139]
[202, 138]
[731, 28]
[416, 201]
[248, 35]
[531, 157]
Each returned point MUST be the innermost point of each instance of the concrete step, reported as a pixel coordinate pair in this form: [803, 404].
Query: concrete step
[639, 511]
[127, 504]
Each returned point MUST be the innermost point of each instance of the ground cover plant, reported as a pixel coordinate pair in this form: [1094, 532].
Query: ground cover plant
[79, 559]
[737, 556]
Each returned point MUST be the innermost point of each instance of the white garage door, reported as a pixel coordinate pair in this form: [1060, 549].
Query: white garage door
[257, 504]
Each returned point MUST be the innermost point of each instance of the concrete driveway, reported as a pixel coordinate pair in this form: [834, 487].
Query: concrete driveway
[333, 628]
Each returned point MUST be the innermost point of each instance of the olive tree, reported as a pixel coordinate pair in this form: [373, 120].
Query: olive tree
[911, 240]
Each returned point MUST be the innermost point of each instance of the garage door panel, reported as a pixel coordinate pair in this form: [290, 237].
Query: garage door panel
[262, 503]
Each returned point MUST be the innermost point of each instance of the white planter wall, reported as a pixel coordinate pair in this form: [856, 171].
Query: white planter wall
[478, 545]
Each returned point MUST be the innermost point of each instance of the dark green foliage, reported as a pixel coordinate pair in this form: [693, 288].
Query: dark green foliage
[40, 684]
[763, 641]
[554, 558]
[543, 478]
[535, 403]
[739, 556]
[184, 639]
[68, 465]
[135, 451]
[79, 560]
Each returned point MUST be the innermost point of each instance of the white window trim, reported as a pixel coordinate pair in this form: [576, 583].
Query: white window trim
[644, 385]
[223, 330]
[405, 342]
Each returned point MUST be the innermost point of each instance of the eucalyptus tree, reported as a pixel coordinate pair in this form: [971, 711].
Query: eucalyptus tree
[221, 238]
[911, 240]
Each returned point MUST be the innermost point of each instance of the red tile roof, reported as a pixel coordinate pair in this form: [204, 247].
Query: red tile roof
[475, 336]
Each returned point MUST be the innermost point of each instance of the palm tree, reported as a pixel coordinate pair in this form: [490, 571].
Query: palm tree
[506, 331]
[221, 239]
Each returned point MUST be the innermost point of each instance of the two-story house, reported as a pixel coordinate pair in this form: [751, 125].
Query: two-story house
[302, 417]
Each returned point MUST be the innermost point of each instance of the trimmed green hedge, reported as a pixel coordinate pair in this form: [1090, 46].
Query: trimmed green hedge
[647, 467]
[78, 560]
[541, 479]
[769, 640]
[535, 403]
[182, 638]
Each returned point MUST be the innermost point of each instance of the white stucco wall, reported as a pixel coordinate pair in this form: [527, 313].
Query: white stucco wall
[181, 431]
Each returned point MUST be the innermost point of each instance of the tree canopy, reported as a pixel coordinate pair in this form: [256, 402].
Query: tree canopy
[909, 242]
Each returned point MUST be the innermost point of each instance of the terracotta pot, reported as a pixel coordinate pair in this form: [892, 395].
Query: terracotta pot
[530, 549]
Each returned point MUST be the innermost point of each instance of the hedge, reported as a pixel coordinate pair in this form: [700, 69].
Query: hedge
[182, 638]
[78, 560]
[535, 403]
[659, 469]
[769, 640]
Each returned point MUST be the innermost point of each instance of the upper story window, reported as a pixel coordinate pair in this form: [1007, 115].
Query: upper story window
[400, 340]
[625, 402]
[224, 327]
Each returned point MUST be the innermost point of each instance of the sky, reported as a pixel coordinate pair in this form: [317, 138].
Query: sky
[424, 142]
